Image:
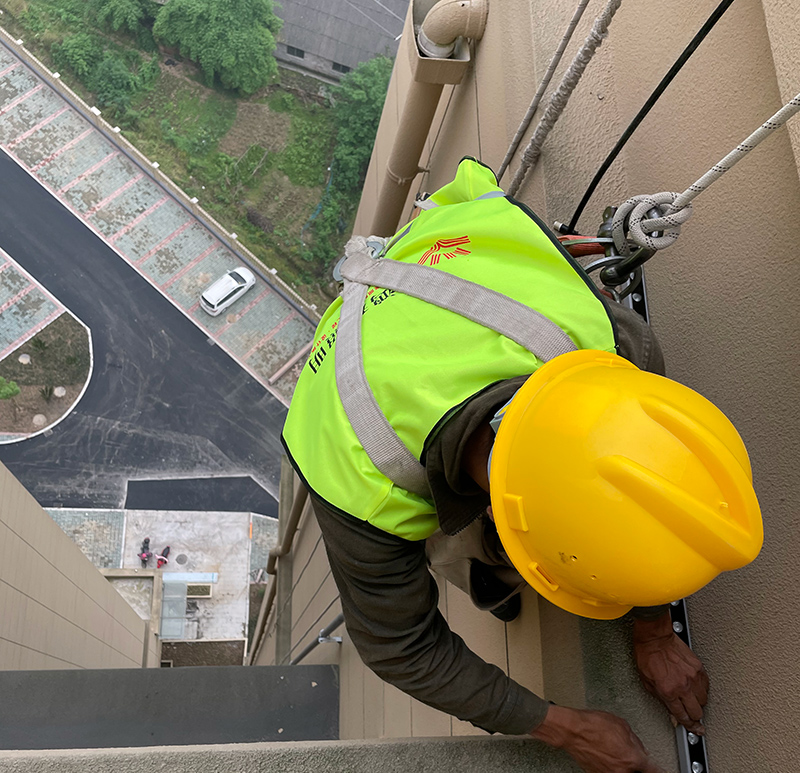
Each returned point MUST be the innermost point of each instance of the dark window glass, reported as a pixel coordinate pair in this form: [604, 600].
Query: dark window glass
[298, 52]
[343, 68]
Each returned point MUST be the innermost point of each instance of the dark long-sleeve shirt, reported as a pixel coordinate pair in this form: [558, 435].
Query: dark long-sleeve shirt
[390, 600]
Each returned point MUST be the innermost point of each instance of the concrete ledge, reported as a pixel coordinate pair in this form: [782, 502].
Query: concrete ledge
[497, 754]
[124, 708]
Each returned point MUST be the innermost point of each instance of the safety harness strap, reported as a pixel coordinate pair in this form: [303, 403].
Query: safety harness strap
[493, 310]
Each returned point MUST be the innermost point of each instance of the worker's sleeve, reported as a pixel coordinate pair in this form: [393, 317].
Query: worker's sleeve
[389, 600]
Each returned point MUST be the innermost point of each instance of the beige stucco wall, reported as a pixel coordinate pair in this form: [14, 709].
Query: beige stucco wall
[723, 299]
[56, 610]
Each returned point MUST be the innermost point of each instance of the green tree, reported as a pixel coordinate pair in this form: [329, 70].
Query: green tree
[81, 52]
[124, 14]
[233, 40]
[357, 112]
[358, 104]
[112, 82]
[8, 389]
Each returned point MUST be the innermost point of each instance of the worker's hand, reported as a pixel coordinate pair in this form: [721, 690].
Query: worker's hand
[671, 671]
[598, 741]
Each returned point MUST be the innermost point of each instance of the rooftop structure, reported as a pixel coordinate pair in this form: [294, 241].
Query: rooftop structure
[330, 37]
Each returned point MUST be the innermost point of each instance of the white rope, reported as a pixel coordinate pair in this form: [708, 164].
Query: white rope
[676, 208]
[545, 82]
[560, 97]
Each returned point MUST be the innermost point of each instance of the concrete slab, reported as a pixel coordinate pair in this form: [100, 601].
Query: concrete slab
[200, 542]
[137, 591]
[175, 706]
[498, 754]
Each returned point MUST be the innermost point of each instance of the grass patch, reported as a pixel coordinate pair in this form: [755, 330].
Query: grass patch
[59, 356]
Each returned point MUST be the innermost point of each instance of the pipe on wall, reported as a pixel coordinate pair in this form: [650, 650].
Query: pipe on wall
[449, 20]
[443, 25]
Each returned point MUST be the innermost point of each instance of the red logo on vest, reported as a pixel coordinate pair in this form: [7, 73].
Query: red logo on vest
[448, 248]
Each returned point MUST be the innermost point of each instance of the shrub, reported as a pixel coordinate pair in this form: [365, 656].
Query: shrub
[39, 345]
[81, 53]
[112, 82]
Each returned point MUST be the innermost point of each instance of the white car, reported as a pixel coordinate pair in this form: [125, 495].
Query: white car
[225, 291]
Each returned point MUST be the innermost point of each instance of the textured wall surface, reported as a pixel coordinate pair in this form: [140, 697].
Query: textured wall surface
[56, 610]
[723, 299]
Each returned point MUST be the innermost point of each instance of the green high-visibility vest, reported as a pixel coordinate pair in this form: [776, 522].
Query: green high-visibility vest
[422, 362]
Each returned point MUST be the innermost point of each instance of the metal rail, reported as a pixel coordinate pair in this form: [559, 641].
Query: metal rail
[323, 638]
[285, 547]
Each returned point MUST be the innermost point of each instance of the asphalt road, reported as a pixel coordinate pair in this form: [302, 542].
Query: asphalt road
[162, 402]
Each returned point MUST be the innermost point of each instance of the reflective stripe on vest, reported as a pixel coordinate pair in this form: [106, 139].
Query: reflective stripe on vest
[421, 360]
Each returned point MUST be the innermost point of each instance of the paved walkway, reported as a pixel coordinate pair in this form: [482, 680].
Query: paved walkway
[145, 225]
[98, 533]
[25, 306]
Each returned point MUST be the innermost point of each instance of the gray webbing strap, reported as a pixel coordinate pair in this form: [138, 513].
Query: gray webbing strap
[493, 310]
[387, 452]
[498, 312]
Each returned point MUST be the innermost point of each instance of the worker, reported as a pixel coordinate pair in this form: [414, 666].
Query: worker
[474, 406]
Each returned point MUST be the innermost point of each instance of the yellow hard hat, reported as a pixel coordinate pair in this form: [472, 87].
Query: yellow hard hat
[613, 487]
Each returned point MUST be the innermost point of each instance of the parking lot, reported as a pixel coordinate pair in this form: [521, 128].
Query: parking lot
[147, 227]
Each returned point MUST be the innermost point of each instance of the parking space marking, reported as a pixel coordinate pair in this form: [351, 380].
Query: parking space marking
[163, 243]
[108, 199]
[18, 297]
[202, 256]
[269, 335]
[71, 144]
[38, 126]
[9, 69]
[138, 219]
[83, 175]
[31, 332]
[239, 314]
[14, 102]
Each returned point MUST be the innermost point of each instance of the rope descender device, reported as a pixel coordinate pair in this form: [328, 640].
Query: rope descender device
[620, 270]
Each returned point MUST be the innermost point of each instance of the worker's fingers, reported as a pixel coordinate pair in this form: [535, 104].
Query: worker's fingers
[692, 706]
[679, 712]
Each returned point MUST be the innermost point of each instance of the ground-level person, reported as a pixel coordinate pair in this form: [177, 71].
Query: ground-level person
[474, 407]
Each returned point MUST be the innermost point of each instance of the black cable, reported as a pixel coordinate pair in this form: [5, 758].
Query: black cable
[642, 114]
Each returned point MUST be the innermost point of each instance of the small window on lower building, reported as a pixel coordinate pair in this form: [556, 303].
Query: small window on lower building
[166, 664]
[298, 52]
[343, 68]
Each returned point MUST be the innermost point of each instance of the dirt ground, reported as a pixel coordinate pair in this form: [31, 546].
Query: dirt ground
[16, 414]
[63, 361]
[256, 124]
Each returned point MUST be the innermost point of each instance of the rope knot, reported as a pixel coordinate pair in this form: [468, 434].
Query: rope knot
[643, 224]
